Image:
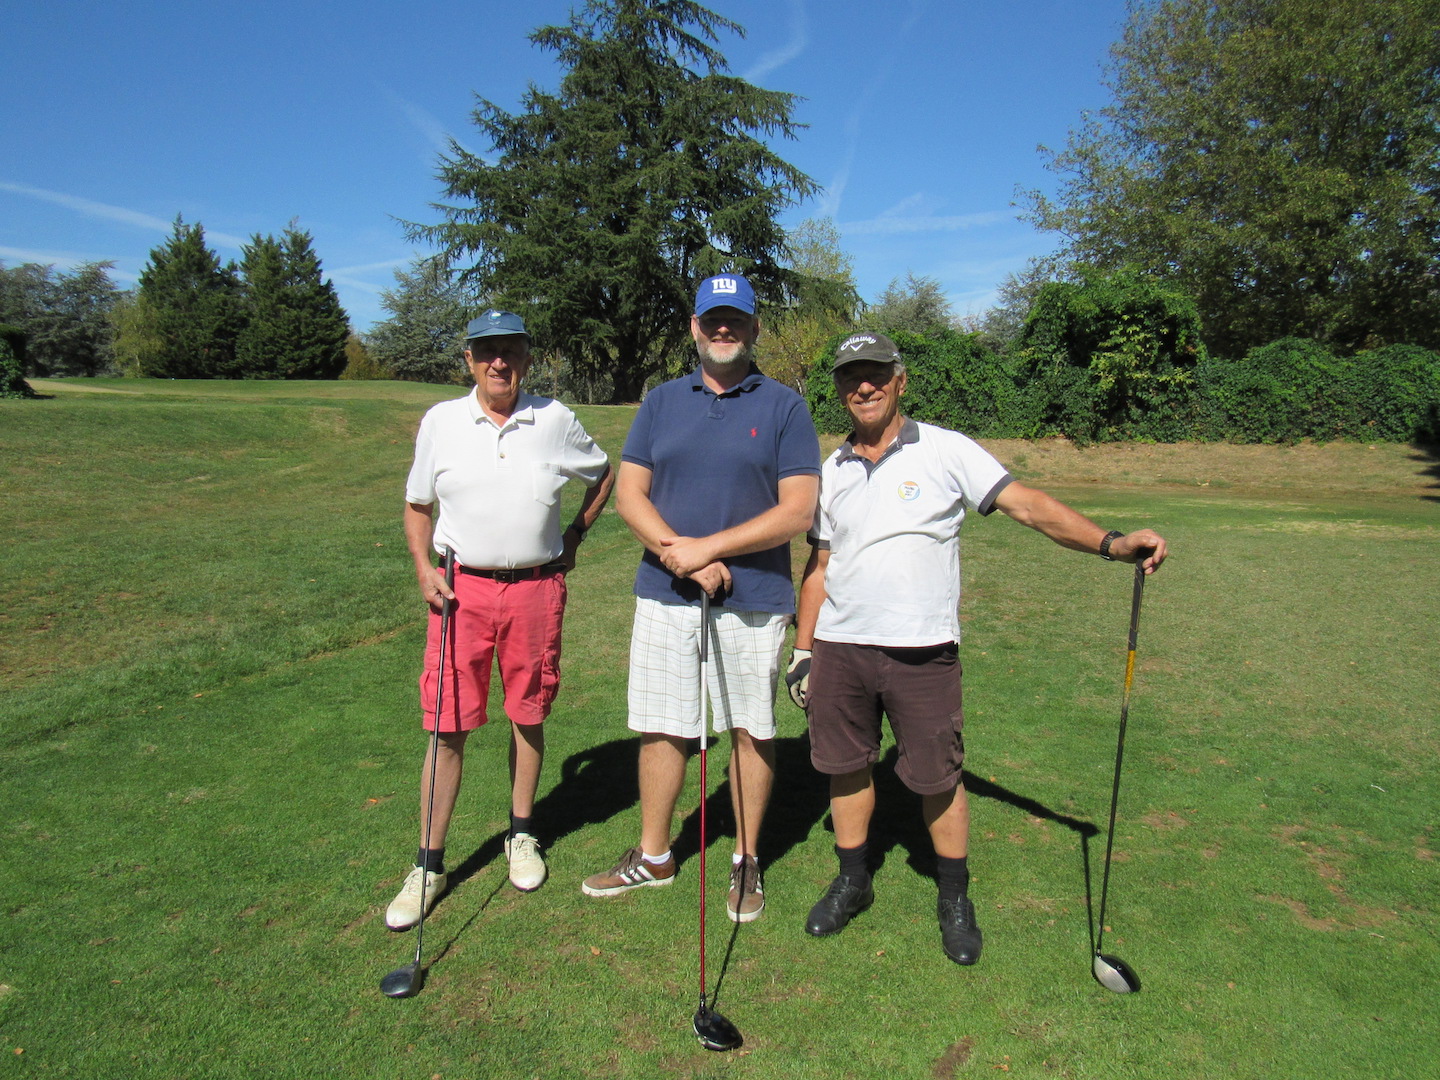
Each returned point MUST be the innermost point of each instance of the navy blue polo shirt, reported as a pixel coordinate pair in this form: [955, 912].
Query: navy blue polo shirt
[717, 461]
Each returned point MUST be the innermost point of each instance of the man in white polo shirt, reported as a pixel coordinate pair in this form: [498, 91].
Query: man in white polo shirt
[878, 628]
[493, 463]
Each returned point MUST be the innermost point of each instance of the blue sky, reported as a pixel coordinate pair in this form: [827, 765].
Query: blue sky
[923, 117]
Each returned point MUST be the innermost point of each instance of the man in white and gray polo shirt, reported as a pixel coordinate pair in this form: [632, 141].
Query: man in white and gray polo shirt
[878, 626]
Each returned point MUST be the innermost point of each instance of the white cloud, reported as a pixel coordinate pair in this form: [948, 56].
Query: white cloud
[892, 223]
[425, 122]
[106, 212]
[777, 58]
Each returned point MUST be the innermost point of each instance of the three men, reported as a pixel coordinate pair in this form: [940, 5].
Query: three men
[493, 462]
[878, 629]
[718, 473]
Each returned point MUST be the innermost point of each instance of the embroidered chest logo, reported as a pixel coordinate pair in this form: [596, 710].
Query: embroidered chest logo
[752, 433]
[909, 491]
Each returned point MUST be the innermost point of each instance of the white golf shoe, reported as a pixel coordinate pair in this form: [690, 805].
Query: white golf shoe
[404, 910]
[527, 865]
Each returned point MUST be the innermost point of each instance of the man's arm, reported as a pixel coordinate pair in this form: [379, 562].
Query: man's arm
[812, 596]
[420, 537]
[807, 612]
[1072, 529]
[788, 518]
[632, 502]
[591, 506]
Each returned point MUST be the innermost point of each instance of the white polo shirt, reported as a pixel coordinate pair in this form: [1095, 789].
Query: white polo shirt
[498, 488]
[893, 531]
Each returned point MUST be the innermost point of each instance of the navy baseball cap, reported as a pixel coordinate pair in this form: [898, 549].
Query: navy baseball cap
[725, 290]
[494, 324]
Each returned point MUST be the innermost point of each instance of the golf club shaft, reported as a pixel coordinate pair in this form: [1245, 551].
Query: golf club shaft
[1120, 743]
[446, 614]
[704, 786]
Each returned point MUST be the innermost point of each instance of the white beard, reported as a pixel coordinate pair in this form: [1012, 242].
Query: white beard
[741, 359]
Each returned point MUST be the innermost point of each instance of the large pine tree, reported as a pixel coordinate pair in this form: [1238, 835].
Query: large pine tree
[610, 200]
[294, 327]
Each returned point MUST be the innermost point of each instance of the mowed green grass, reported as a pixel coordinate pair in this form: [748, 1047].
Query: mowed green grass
[209, 748]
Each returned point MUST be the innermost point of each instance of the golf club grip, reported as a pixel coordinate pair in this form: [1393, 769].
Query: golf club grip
[1135, 602]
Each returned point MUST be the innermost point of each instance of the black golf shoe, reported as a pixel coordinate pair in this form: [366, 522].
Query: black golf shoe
[846, 896]
[958, 932]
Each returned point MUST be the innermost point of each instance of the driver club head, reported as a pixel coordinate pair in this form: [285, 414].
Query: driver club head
[1114, 974]
[403, 982]
[715, 1032]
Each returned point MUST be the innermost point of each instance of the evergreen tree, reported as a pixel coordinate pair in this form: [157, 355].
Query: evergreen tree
[1277, 159]
[187, 312]
[294, 327]
[65, 316]
[611, 199]
[424, 337]
[916, 305]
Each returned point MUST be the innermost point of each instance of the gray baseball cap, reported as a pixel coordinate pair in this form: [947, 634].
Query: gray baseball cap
[494, 324]
[866, 345]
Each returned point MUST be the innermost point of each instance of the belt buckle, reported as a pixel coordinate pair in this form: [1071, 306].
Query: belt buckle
[507, 577]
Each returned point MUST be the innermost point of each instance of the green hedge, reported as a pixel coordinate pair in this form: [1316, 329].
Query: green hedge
[1297, 389]
[953, 380]
[12, 363]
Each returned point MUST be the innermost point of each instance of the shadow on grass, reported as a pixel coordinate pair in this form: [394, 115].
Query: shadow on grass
[1431, 456]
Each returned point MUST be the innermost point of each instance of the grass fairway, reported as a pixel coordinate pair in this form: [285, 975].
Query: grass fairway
[209, 640]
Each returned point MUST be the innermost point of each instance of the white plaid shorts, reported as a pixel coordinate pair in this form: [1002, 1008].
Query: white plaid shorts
[744, 662]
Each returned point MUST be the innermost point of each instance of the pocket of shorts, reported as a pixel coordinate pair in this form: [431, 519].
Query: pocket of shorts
[546, 481]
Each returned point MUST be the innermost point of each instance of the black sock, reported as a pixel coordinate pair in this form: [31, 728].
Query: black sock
[519, 824]
[953, 876]
[433, 859]
[853, 860]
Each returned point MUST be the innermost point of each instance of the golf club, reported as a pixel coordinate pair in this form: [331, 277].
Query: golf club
[406, 981]
[713, 1030]
[1110, 971]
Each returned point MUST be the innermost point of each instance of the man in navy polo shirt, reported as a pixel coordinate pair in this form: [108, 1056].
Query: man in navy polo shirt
[879, 607]
[720, 470]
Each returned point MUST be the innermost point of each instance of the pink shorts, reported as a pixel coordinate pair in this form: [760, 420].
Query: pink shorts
[516, 624]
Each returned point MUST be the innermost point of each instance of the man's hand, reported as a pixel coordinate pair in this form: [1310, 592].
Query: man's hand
[1142, 544]
[797, 677]
[571, 540]
[433, 587]
[683, 555]
[714, 578]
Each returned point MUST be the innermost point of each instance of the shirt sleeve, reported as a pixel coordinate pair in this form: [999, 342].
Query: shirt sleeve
[637, 448]
[976, 473]
[420, 485]
[799, 445]
[583, 459]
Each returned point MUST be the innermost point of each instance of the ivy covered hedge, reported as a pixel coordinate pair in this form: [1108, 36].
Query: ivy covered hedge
[1119, 357]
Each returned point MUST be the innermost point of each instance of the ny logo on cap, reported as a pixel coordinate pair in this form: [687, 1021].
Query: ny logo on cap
[724, 286]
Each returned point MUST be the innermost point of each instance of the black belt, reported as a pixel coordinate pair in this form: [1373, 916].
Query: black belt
[509, 577]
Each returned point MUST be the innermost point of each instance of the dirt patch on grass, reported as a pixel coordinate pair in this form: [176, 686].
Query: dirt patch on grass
[955, 1057]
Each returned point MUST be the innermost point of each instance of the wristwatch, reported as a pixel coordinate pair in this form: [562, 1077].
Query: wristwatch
[1110, 538]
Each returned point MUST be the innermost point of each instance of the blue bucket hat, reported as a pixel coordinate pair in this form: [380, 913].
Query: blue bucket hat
[725, 290]
[494, 324]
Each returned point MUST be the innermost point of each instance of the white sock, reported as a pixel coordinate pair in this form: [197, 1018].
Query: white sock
[656, 860]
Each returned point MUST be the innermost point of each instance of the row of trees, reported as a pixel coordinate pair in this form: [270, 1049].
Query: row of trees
[272, 317]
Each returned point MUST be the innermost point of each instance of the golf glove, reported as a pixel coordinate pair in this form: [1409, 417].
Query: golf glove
[797, 677]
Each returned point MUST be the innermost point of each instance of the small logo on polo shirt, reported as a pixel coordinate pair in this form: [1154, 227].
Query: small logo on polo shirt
[908, 491]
